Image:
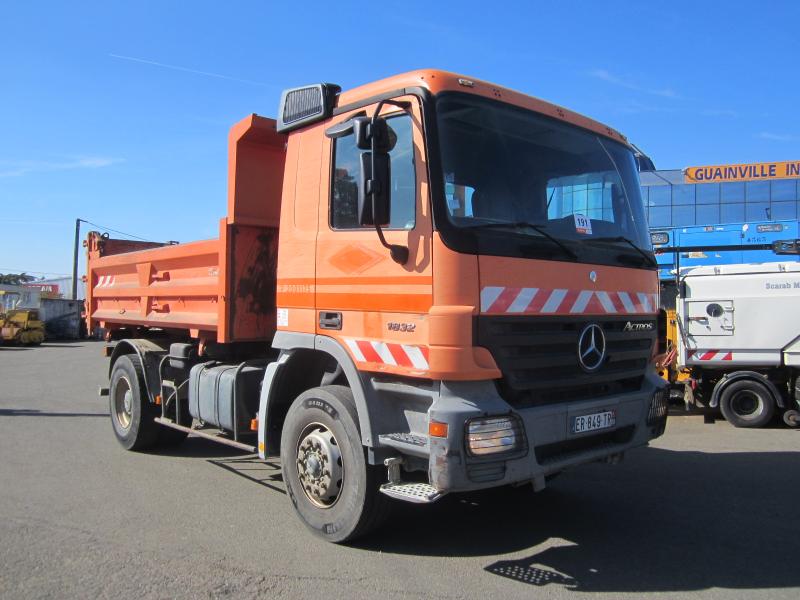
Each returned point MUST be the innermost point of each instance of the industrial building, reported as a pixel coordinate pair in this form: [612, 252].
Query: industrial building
[721, 194]
[743, 204]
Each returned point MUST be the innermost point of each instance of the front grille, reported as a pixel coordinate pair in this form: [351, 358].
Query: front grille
[538, 357]
[558, 451]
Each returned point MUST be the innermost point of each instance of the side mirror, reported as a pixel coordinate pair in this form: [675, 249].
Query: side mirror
[376, 184]
[366, 132]
[361, 127]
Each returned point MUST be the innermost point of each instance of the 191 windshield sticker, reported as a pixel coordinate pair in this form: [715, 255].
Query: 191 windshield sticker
[583, 224]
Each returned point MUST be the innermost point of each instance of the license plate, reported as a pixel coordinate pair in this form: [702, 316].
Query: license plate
[593, 422]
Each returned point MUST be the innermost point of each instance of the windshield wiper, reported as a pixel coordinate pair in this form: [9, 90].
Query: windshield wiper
[537, 228]
[621, 238]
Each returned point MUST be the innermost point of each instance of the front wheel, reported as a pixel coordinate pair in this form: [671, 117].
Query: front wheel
[747, 403]
[332, 487]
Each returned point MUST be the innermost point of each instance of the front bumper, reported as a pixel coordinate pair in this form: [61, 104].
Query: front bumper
[550, 446]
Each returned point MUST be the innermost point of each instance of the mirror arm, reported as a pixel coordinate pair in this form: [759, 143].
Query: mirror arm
[398, 253]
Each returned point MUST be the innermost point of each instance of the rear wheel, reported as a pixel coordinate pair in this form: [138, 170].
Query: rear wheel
[132, 413]
[747, 403]
[792, 418]
[332, 487]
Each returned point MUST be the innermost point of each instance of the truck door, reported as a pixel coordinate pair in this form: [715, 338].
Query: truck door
[710, 317]
[372, 305]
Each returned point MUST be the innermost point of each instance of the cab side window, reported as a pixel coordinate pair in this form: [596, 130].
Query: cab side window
[346, 176]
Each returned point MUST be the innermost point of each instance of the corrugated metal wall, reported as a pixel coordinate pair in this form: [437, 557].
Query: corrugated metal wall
[62, 318]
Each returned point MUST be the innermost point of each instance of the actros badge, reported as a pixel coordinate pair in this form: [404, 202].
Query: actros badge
[637, 326]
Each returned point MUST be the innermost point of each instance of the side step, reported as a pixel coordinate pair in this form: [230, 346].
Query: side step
[418, 493]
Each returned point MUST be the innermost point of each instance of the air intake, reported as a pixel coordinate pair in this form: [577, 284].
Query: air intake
[305, 105]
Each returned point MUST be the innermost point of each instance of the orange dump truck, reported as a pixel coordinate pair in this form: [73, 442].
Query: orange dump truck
[426, 285]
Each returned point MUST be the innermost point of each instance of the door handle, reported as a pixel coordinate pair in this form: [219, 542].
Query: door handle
[330, 320]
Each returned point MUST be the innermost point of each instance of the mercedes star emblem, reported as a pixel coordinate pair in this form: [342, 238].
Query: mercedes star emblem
[591, 348]
[593, 276]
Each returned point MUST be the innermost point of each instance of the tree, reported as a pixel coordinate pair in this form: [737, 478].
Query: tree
[15, 278]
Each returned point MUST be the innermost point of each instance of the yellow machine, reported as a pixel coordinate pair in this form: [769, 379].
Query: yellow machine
[666, 365]
[19, 325]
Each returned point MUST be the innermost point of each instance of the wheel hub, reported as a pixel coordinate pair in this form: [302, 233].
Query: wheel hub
[314, 466]
[745, 403]
[123, 403]
[319, 465]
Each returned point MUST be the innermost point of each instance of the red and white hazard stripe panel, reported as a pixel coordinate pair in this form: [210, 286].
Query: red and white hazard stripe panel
[105, 281]
[710, 355]
[515, 300]
[396, 355]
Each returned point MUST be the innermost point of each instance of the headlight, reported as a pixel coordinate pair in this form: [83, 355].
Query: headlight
[493, 435]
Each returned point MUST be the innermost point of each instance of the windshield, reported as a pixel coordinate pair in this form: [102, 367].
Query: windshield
[511, 172]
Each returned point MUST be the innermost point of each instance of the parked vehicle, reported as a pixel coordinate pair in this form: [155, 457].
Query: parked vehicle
[426, 285]
[739, 337]
[19, 325]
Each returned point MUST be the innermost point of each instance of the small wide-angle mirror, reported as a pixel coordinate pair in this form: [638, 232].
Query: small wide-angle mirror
[340, 130]
[365, 129]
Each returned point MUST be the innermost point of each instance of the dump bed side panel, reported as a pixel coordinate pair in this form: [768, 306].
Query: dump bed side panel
[172, 287]
[222, 290]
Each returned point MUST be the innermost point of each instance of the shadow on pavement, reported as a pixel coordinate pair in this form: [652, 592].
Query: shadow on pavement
[30, 412]
[53, 344]
[197, 447]
[256, 470]
[248, 466]
[663, 521]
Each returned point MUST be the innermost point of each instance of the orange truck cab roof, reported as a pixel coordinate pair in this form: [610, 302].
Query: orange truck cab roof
[436, 81]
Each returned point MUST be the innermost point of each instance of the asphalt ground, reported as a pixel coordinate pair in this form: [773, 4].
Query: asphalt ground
[707, 511]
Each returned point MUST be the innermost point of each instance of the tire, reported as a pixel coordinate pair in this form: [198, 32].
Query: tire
[747, 403]
[792, 418]
[131, 417]
[321, 444]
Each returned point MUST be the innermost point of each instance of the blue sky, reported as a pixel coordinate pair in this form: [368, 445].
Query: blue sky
[118, 112]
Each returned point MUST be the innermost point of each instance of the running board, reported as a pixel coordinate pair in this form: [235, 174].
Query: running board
[208, 436]
[418, 493]
[407, 443]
